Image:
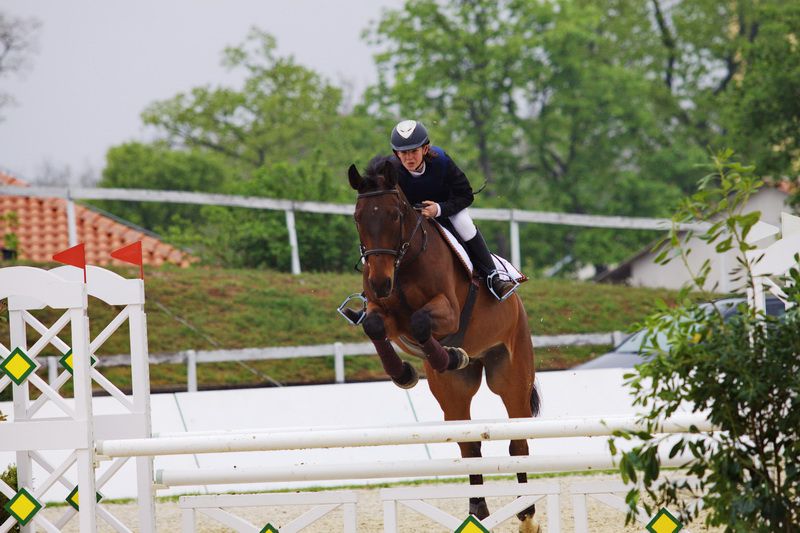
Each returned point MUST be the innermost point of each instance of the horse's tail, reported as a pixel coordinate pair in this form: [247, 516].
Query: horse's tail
[536, 400]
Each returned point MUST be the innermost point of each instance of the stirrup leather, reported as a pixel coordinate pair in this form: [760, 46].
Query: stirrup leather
[353, 316]
[504, 276]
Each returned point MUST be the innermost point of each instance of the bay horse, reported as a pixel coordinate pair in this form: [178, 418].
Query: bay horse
[416, 288]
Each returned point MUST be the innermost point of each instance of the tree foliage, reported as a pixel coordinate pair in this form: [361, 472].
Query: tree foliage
[743, 372]
[584, 106]
[280, 135]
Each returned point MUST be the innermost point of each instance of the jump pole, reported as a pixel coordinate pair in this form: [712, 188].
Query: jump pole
[472, 431]
[394, 469]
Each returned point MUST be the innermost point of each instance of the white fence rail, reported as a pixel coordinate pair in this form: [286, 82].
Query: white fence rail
[512, 216]
[420, 433]
[336, 349]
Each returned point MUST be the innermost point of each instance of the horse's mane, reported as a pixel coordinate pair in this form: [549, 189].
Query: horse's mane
[371, 178]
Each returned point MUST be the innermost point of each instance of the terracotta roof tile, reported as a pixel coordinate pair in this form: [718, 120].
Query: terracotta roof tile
[42, 231]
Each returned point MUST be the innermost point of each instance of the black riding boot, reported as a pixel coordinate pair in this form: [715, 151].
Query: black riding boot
[482, 259]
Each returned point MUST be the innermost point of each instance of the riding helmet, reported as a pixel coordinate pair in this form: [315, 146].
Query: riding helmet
[409, 134]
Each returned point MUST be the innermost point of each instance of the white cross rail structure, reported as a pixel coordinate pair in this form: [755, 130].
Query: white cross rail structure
[53, 422]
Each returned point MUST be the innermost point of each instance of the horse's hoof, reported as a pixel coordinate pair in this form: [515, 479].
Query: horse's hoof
[529, 526]
[458, 358]
[478, 508]
[409, 378]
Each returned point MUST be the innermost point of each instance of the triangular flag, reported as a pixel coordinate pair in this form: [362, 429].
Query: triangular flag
[75, 256]
[131, 253]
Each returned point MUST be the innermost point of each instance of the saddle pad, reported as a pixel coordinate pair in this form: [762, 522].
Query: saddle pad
[456, 246]
[504, 265]
[500, 263]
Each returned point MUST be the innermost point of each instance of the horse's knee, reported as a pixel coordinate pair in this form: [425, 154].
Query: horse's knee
[421, 325]
[527, 513]
[374, 327]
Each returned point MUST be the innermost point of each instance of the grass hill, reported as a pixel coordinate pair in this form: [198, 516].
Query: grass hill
[204, 308]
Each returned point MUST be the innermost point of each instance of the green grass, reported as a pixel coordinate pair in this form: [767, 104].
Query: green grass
[202, 308]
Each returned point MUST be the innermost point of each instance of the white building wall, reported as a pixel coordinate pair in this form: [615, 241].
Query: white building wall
[646, 273]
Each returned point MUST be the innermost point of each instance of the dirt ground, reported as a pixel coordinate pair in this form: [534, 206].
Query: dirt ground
[369, 511]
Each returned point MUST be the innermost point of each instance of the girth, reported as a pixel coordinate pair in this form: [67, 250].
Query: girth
[456, 339]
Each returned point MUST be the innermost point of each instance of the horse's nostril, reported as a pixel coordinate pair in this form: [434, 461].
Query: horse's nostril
[382, 287]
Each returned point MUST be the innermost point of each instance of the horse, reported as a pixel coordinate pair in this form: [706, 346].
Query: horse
[415, 289]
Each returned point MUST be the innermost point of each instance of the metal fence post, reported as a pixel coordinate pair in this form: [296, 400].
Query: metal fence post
[616, 337]
[72, 224]
[293, 241]
[338, 361]
[191, 371]
[515, 253]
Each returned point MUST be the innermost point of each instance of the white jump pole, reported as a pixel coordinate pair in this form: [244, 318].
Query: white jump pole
[394, 469]
[520, 428]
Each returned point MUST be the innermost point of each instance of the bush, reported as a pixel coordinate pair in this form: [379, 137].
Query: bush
[745, 373]
[10, 478]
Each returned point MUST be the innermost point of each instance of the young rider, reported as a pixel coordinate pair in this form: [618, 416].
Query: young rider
[428, 176]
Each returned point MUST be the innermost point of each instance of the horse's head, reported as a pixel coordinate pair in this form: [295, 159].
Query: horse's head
[382, 212]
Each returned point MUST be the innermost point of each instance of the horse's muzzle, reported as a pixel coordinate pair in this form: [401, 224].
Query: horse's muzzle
[381, 287]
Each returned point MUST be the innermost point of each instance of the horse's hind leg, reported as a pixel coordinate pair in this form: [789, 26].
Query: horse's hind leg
[454, 392]
[510, 374]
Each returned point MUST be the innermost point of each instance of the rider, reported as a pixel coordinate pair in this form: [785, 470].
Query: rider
[428, 176]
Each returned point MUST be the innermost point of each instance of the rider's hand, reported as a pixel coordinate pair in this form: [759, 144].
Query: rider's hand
[431, 209]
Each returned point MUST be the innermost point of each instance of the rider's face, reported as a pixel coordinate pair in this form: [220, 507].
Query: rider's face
[412, 159]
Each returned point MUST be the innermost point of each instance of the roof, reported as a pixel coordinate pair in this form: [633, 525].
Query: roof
[41, 229]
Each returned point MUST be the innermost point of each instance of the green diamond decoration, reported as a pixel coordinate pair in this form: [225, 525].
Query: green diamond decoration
[23, 507]
[664, 522]
[66, 361]
[471, 525]
[73, 498]
[18, 366]
[269, 528]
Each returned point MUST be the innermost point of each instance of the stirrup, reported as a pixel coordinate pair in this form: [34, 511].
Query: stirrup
[504, 276]
[357, 314]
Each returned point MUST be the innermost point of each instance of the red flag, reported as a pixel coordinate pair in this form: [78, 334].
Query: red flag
[75, 256]
[131, 253]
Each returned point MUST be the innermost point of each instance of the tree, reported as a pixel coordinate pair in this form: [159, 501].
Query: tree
[281, 134]
[283, 112]
[762, 107]
[17, 42]
[156, 166]
[534, 97]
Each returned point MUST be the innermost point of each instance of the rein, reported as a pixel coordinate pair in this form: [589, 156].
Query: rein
[399, 252]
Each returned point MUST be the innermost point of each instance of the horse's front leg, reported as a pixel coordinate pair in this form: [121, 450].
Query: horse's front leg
[402, 373]
[438, 316]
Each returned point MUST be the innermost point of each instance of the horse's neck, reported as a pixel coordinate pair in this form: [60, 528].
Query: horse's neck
[433, 262]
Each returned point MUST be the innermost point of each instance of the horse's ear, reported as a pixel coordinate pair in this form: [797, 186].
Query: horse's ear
[354, 177]
[389, 174]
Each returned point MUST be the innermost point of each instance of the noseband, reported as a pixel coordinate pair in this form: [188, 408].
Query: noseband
[402, 248]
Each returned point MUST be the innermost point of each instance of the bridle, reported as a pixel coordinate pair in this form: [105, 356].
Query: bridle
[399, 252]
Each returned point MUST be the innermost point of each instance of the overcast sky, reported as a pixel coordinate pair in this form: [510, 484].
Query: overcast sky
[101, 62]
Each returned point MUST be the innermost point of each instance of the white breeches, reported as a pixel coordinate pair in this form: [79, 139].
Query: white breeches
[463, 225]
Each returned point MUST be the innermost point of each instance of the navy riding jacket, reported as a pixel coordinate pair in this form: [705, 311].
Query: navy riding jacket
[442, 182]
